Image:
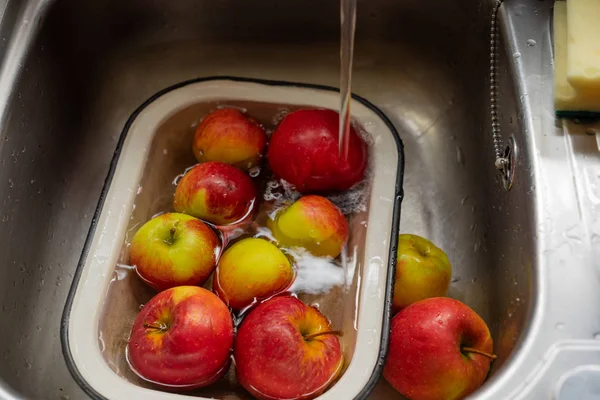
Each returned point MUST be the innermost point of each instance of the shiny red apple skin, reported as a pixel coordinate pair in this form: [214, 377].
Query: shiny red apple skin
[304, 151]
[272, 358]
[194, 348]
[425, 360]
[216, 192]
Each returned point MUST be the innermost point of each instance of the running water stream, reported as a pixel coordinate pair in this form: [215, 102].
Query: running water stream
[348, 24]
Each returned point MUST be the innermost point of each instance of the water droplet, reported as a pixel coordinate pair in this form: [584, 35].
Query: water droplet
[279, 115]
[516, 55]
[455, 279]
[531, 42]
[474, 280]
[597, 335]
[559, 326]
[518, 10]
[460, 157]
[254, 172]
[573, 234]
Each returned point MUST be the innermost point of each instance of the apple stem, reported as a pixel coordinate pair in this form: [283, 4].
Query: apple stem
[174, 229]
[314, 335]
[158, 327]
[172, 232]
[483, 353]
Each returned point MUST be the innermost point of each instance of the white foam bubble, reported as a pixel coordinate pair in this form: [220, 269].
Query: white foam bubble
[353, 200]
[350, 201]
[264, 232]
[254, 172]
[280, 192]
[315, 275]
[365, 136]
[280, 115]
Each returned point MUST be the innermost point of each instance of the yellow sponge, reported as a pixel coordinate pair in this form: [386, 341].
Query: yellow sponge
[583, 27]
[575, 94]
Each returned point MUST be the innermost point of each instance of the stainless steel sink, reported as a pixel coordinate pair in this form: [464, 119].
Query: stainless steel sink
[73, 71]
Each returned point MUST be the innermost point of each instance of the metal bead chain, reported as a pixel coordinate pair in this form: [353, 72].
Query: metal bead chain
[494, 86]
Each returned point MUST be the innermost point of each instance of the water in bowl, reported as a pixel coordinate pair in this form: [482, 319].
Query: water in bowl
[331, 285]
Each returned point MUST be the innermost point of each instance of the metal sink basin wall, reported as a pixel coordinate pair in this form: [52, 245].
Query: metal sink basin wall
[86, 65]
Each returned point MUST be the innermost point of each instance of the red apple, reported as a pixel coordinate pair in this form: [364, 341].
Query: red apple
[182, 339]
[422, 271]
[285, 349]
[215, 192]
[229, 136]
[251, 270]
[174, 249]
[439, 349]
[304, 151]
[312, 222]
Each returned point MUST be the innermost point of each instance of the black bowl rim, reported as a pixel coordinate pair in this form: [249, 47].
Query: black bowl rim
[389, 287]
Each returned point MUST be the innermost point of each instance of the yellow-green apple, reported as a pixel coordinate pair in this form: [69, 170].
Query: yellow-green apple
[285, 349]
[251, 269]
[215, 192]
[304, 151]
[228, 135]
[440, 349]
[422, 271]
[312, 222]
[174, 249]
[182, 339]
